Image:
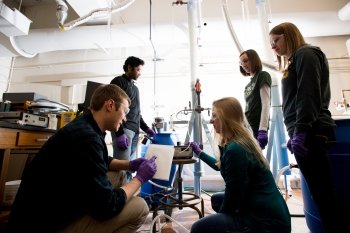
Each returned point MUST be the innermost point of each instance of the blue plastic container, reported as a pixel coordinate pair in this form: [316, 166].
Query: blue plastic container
[340, 159]
[312, 216]
[147, 188]
[340, 162]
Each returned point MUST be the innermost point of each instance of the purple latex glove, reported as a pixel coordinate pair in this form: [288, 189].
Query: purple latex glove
[150, 132]
[289, 146]
[146, 170]
[298, 144]
[122, 142]
[135, 164]
[262, 138]
[195, 148]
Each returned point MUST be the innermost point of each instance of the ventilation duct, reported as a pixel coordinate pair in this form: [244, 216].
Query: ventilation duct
[90, 37]
[12, 22]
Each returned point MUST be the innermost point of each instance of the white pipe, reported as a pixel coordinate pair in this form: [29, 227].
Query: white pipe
[165, 188]
[85, 37]
[264, 25]
[344, 13]
[193, 8]
[245, 10]
[102, 12]
[235, 38]
[29, 46]
[90, 37]
[230, 27]
[19, 50]
[61, 12]
[9, 80]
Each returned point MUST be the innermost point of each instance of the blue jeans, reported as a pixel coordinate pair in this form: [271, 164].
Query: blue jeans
[130, 152]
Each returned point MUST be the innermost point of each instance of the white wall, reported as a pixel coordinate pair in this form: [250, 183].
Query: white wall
[339, 63]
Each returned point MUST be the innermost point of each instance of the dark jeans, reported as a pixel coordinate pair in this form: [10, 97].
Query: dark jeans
[216, 201]
[316, 169]
[220, 222]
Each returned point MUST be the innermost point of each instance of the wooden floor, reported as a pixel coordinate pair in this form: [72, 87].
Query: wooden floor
[183, 219]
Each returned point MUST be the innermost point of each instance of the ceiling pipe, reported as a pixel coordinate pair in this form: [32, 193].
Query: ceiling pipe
[88, 37]
[27, 46]
[19, 50]
[102, 12]
[230, 27]
[234, 35]
[344, 13]
[194, 24]
[84, 37]
[61, 13]
[264, 25]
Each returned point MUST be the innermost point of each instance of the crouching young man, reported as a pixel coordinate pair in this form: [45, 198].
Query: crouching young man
[72, 185]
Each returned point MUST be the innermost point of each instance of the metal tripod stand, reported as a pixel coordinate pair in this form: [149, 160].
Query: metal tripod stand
[195, 125]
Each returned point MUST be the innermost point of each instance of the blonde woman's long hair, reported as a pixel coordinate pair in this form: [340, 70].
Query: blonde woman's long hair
[235, 128]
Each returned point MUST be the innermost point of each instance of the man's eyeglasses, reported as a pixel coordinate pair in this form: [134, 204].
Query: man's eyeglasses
[126, 109]
[275, 40]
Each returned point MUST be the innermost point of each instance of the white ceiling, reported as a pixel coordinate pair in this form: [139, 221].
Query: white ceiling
[313, 17]
[97, 47]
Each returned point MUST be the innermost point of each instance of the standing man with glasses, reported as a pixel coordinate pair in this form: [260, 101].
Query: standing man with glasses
[72, 185]
[257, 95]
[125, 140]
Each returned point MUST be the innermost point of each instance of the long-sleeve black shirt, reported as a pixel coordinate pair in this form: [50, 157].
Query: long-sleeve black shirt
[134, 120]
[306, 91]
[66, 180]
